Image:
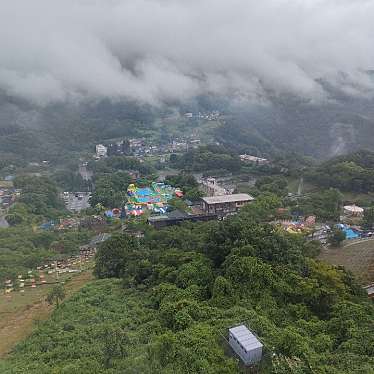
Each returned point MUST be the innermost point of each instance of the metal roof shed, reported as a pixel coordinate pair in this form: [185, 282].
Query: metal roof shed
[245, 344]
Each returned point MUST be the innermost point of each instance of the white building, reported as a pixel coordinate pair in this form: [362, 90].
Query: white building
[245, 344]
[101, 150]
[370, 290]
[353, 210]
[254, 159]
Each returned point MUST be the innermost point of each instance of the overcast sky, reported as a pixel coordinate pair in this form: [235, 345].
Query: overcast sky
[155, 50]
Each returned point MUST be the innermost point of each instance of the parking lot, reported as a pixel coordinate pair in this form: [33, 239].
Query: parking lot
[75, 202]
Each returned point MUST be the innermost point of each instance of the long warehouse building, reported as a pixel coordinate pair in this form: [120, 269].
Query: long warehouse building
[225, 204]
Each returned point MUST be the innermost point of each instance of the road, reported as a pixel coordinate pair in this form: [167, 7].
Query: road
[358, 241]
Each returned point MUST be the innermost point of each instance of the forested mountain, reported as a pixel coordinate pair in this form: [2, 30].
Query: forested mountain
[56, 132]
[352, 172]
[280, 124]
[320, 130]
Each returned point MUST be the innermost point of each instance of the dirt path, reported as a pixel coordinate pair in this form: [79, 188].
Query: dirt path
[18, 324]
[358, 242]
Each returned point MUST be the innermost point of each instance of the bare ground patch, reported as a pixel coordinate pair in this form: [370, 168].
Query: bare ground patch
[358, 257]
[19, 315]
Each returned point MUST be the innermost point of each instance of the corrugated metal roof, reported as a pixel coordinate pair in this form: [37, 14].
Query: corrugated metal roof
[239, 197]
[245, 338]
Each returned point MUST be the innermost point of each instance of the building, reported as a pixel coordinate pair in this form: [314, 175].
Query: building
[101, 150]
[245, 344]
[119, 148]
[211, 188]
[321, 234]
[225, 204]
[370, 290]
[254, 159]
[177, 217]
[353, 210]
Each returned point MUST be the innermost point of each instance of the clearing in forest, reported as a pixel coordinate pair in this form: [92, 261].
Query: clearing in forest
[19, 314]
[356, 256]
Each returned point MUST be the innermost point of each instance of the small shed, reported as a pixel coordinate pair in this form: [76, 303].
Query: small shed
[245, 344]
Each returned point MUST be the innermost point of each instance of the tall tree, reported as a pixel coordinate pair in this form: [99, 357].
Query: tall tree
[56, 295]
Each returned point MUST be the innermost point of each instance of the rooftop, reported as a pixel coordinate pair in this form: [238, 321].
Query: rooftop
[354, 208]
[175, 214]
[239, 197]
[245, 337]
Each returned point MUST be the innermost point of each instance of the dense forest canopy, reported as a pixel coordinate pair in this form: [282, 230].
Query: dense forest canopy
[353, 172]
[40, 194]
[205, 158]
[181, 288]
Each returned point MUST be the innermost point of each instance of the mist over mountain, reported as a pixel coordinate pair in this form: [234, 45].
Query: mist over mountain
[282, 124]
[287, 75]
[320, 130]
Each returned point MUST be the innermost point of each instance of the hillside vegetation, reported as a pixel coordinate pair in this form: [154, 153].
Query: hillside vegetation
[167, 299]
[23, 246]
[353, 173]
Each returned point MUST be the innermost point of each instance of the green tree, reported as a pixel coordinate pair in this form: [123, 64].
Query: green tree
[336, 237]
[14, 219]
[224, 295]
[326, 204]
[368, 220]
[114, 342]
[178, 203]
[110, 190]
[250, 275]
[114, 256]
[275, 185]
[56, 295]
[193, 194]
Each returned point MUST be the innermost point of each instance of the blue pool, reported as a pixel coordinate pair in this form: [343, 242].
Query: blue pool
[144, 191]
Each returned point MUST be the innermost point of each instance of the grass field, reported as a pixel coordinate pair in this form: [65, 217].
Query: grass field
[358, 257]
[20, 313]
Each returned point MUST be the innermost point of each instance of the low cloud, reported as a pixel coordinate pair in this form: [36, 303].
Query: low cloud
[161, 50]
